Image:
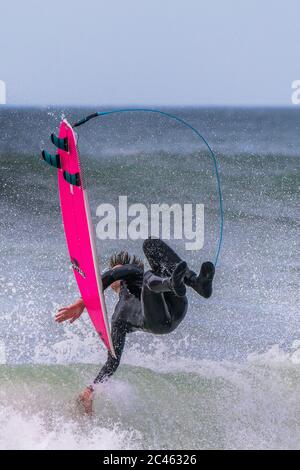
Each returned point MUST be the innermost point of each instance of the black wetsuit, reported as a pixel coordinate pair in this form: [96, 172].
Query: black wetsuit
[146, 302]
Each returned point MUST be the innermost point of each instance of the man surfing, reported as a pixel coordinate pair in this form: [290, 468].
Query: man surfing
[154, 301]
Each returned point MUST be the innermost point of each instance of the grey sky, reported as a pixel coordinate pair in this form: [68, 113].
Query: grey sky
[194, 52]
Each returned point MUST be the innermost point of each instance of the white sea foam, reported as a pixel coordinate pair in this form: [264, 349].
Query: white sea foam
[2, 353]
[32, 431]
[276, 355]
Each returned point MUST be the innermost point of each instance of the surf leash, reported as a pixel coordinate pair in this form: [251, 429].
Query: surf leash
[197, 133]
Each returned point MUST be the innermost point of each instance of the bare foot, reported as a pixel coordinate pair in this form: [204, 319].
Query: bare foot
[85, 400]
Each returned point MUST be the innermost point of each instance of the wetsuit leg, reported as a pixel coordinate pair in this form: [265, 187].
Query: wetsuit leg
[157, 283]
[163, 260]
[174, 283]
[163, 307]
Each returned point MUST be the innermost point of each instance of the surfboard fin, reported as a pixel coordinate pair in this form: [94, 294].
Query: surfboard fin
[53, 160]
[62, 144]
[72, 178]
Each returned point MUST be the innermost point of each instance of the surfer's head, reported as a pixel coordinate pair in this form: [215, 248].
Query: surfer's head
[121, 259]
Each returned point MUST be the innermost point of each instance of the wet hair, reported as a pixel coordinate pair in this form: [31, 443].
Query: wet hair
[123, 258]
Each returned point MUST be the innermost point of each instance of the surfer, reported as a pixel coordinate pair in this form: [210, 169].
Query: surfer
[154, 301]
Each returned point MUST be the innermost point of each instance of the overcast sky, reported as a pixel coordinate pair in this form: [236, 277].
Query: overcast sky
[153, 52]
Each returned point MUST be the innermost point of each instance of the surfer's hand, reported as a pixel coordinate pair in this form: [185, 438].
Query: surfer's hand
[72, 312]
[86, 400]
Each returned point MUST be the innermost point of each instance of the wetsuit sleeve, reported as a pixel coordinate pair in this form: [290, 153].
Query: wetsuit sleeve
[118, 334]
[128, 273]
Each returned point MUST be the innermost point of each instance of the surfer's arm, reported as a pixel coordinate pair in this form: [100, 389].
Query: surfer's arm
[71, 312]
[127, 273]
[118, 334]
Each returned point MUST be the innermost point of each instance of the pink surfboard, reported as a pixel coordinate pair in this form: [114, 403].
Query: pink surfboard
[80, 235]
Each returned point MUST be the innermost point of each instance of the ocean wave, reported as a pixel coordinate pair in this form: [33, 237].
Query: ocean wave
[39, 431]
[158, 400]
